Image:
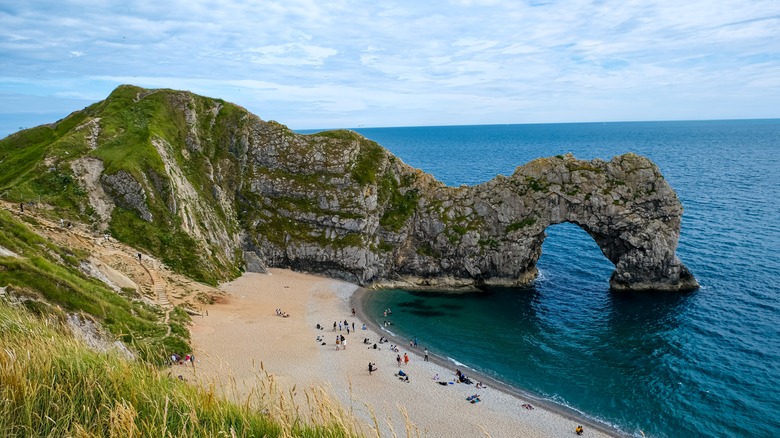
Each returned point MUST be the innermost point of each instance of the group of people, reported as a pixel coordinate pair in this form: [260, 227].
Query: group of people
[341, 341]
[281, 313]
[176, 358]
[345, 326]
[462, 378]
[405, 359]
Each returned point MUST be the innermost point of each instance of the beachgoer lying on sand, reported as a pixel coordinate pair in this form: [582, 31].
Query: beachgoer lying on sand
[402, 376]
[366, 341]
[528, 406]
[480, 385]
[473, 398]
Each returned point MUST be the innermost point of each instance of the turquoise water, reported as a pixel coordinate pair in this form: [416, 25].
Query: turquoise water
[705, 363]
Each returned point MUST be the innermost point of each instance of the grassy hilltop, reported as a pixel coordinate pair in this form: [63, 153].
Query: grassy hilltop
[37, 165]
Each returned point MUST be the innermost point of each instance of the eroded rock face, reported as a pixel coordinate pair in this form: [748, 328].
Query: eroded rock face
[401, 227]
[253, 193]
[127, 192]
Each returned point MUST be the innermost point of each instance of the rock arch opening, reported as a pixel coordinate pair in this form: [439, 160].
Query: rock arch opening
[570, 256]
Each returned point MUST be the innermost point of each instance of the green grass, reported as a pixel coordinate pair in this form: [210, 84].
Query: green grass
[400, 206]
[368, 163]
[52, 385]
[527, 222]
[174, 247]
[45, 271]
[535, 184]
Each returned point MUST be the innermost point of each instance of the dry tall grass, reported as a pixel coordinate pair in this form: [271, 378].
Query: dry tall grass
[52, 385]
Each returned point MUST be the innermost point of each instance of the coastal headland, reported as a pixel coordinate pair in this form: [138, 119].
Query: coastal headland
[214, 190]
[198, 188]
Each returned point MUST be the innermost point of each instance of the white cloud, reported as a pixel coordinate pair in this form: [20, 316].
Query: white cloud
[351, 62]
[290, 54]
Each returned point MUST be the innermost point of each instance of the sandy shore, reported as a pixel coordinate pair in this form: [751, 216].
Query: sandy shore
[243, 331]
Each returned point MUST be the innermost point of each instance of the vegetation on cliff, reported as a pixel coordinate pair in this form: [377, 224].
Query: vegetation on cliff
[49, 282]
[203, 184]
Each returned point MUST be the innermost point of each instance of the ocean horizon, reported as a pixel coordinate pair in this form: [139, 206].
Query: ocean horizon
[704, 363]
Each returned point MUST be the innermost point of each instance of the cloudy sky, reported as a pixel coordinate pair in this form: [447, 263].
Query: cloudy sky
[351, 63]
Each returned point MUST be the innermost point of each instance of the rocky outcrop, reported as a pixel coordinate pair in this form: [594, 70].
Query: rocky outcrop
[253, 193]
[395, 226]
[127, 192]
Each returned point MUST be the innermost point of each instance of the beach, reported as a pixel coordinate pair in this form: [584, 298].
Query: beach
[242, 338]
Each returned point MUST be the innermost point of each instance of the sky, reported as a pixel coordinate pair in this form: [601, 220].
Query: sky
[349, 63]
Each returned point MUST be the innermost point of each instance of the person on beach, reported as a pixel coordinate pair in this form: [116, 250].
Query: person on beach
[353, 326]
[334, 326]
[353, 311]
[398, 359]
[406, 359]
[339, 326]
[347, 329]
[411, 343]
[371, 367]
[426, 355]
[338, 342]
[579, 430]
[343, 343]
[415, 341]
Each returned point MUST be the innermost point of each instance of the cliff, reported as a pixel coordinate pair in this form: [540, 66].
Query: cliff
[213, 189]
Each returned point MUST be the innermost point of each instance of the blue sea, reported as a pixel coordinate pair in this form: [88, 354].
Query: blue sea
[705, 363]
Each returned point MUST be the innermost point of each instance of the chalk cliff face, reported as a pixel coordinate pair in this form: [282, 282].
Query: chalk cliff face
[248, 193]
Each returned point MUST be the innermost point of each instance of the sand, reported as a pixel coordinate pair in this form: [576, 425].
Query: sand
[242, 331]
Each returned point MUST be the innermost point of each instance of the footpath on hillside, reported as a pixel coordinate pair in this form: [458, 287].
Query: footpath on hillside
[118, 265]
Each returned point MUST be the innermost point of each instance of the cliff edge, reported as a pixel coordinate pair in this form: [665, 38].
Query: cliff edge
[213, 189]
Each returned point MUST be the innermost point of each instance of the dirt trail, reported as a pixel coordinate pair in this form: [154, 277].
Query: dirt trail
[151, 278]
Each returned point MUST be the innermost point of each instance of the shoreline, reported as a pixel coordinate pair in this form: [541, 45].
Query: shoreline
[243, 337]
[358, 300]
